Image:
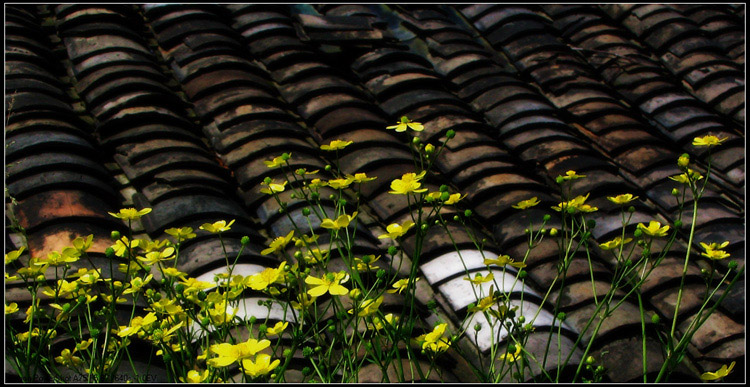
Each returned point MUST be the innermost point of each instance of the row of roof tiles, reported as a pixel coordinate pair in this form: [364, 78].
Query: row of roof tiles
[524, 113]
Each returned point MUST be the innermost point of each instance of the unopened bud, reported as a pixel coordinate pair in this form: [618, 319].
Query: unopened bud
[450, 134]
[655, 318]
[245, 240]
[305, 211]
[115, 235]
[392, 250]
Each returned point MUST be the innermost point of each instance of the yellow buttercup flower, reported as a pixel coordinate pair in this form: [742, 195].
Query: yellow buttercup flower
[571, 175]
[329, 283]
[484, 304]
[229, 354]
[12, 308]
[277, 329]
[654, 229]
[379, 324]
[137, 324]
[336, 145]
[434, 341]
[454, 198]
[409, 182]
[368, 307]
[577, 204]
[339, 183]
[181, 234]
[712, 250]
[13, 255]
[274, 188]
[719, 374]
[360, 178]
[130, 213]
[708, 141]
[303, 301]
[512, 357]
[366, 262]
[622, 199]
[316, 256]
[218, 226]
[396, 230]
[261, 366]
[67, 359]
[407, 123]
[277, 161]
[503, 260]
[687, 177]
[480, 279]
[194, 376]
[340, 222]
[278, 244]
[267, 277]
[137, 283]
[528, 203]
[401, 285]
[615, 243]
[157, 256]
[82, 244]
[68, 255]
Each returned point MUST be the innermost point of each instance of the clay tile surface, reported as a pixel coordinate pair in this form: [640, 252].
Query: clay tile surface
[179, 107]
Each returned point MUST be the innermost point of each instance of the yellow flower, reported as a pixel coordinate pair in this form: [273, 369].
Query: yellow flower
[194, 376]
[261, 366]
[407, 123]
[719, 374]
[64, 288]
[512, 357]
[378, 323]
[121, 246]
[84, 345]
[577, 203]
[329, 283]
[368, 307]
[528, 203]
[173, 272]
[429, 148]
[157, 256]
[229, 354]
[683, 160]
[221, 313]
[340, 222]
[622, 199]
[217, 227]
[277, 329]
[615, 243]
[360, 178]
[181, 234]
[654, 229]
[480, 279]
[339, 183]
[687, 177]
[137, 283]
[484, 304]
[713, 252]
[434, 341]
[503, 260]
[267, 277]
[277, 161]
[82, 244]
[278, 244]
[67, 359]
[305, 240]
[571, 175]
[137, 324]
[366, 262]
[130, 213]
[401, 285]
[395, 230]
[303, 301]
[68, 255]
[335, 145]
[316, 256]
[13, 255]
[409, 182]
[304, 171]
[708, 141]
[454, 198]
[12, 308]
[274, 188]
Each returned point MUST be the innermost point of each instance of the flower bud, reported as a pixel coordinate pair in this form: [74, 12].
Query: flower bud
[521, 319]
[561, 316]
[522, 274]
[631, 209]
[450, 134]
[327, 168]
[298, 255]
[94, 332]
[267, 180]
[553, 231]
[467, 213]
[262, 327]
[477, 327]
[415, 140]
[591, 223]
[547, 217]
[559, 180]
[456, 218]
[677, 223]
[590, 360]
[732, 265]
[41, 278]
[342, 202]
[315, 196]
[431, 304]
[429, 148]
[285, 156]
[392, 250]
[655, 318]
[355, 294]
[675, 192]
[115, 235]
[245, 240]
[306, 371]
[683, 161]
[445, 196]
[424, 226]
[252, 319]
[443, 188]
[380, 273]
[305, 211]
